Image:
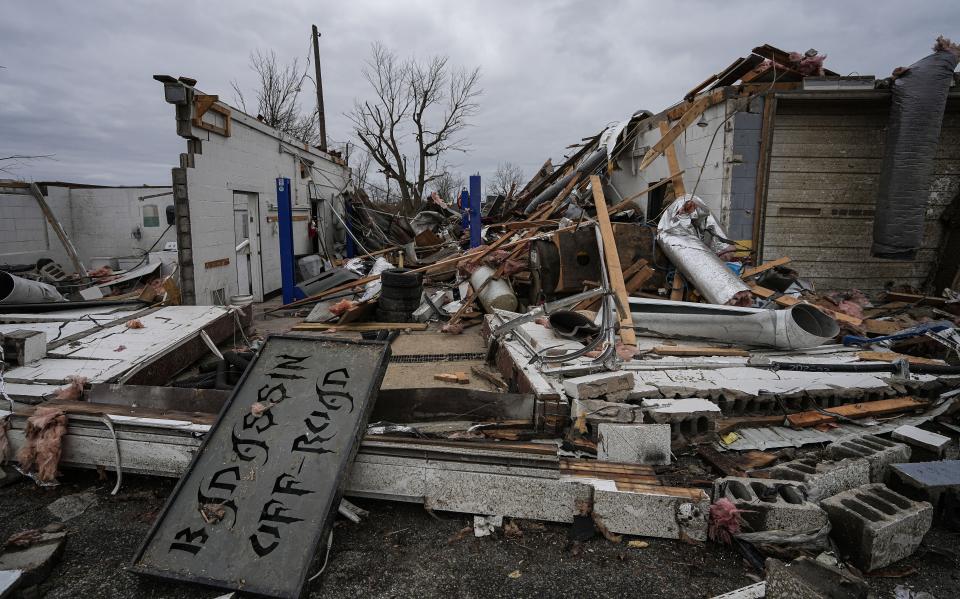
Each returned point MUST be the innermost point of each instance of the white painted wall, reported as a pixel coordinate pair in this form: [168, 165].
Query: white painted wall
[691, 147]
[99, 220]
[250, 160]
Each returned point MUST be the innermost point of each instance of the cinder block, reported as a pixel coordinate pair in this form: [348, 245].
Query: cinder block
[591, 386]
[770, 504]
[879, 452]
[876, 526]
[669, 513]
[823, 479]
[688, 416]
[926, 481]
[918, 437]
[634, 443]
[806, 578]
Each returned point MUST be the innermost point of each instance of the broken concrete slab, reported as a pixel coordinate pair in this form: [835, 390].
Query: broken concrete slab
[634, 443]
[769, 504]
[9, 582]
[596, 411]
[484, 526]
[35, 560]
[757, 590]
[688, 416]
[926, 481]
[592, 386]
[876, 526]
[69, 507]
[918, 437]
[879, 452]
[824, 479]
[806, 578]
[665, 512]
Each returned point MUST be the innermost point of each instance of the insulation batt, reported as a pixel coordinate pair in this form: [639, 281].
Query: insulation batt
[43, 444]
[692, 238]
[919, 96]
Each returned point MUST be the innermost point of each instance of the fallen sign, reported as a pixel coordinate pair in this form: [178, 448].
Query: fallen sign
[261, 494]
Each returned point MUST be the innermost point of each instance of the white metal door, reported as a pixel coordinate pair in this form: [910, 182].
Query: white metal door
[241, 230]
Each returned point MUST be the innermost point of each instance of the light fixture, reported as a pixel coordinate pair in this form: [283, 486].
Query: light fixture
[703, 121]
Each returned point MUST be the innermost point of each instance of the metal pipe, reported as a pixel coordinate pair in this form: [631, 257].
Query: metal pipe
[17, 290]
[798, 327]
[589, 164]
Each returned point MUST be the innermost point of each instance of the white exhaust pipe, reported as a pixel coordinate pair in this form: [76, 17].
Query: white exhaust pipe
[801, 326]
[17, 290]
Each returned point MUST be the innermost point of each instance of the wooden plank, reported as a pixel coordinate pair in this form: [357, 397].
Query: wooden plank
[361, 326]
[787, 300]
[889, 356]
[614, 270]
[857, 410]
[680, 350]
[881, 327]
[670, 134]
[676, 288]
[674, 166]
[735, 463]
[637, 281]
[755, 270]
[61, 234]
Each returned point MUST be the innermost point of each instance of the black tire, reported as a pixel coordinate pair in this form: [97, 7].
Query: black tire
[392, 316]
[400, 277]
[402, 293]
[395, 305]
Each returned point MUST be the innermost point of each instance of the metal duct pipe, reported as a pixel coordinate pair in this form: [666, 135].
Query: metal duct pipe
[589, 164]
[16, 290]
[704, 269]
[798, 327]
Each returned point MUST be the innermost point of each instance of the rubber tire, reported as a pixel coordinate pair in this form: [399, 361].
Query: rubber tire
[400, 277]
[402, 293]
[393, 316]
[394, 305]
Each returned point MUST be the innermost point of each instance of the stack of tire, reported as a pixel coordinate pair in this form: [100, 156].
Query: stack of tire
[400, 292]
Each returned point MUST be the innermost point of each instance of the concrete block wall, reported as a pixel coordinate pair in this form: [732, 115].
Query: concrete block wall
[249, 161]
[25, 236]
[693, 149]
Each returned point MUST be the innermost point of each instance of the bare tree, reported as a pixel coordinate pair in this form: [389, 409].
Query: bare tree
[416, 118]
[448, 185]
[278, 97]
[9, 164]
[507, 176]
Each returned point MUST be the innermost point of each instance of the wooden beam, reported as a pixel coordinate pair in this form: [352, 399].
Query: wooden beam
[676, 289]
[628, 203]
[755, 270]
[670, 135]
[58, 229]
[360, 326]
[676, 175]
[889, 356]
[857, 410]
[679, 350]
[789, 300]
[763, 168]
[614, 270]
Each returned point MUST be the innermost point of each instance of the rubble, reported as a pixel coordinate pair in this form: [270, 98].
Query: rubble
[876, 526]
[602, 349]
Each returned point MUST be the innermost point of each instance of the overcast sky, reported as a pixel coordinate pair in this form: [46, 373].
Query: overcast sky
[77, 83]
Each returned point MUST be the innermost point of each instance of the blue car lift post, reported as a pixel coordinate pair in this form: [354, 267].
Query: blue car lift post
[285, 225]
[474, 212]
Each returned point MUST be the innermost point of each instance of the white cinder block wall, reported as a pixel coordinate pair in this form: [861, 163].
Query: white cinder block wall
[248, 161]
[691, 148]
[99, 220]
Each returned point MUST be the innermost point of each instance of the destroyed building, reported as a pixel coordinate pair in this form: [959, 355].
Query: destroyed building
[731, 325]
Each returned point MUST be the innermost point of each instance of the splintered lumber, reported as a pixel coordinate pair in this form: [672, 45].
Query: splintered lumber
[755, 270]
[670, 134]
[637, 280]
[676, 289]
[614, 270]
[635, 276]
[735, 464]
[628, 203]
[679, 350]
[789, 300]
[58, 229]
[881, 327]
[857, 410]
[889, 356]
[354, 327]
[673, 164]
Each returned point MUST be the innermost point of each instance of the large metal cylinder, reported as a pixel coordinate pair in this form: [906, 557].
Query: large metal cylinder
[17, 290]
[799, 327]
[497, 294]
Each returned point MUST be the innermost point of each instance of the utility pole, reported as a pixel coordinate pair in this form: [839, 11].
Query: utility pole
[320, 114]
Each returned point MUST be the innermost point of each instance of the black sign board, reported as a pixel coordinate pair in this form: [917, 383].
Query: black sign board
[263, 490]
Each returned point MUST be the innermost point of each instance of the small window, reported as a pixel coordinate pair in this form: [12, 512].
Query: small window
[151, 216]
